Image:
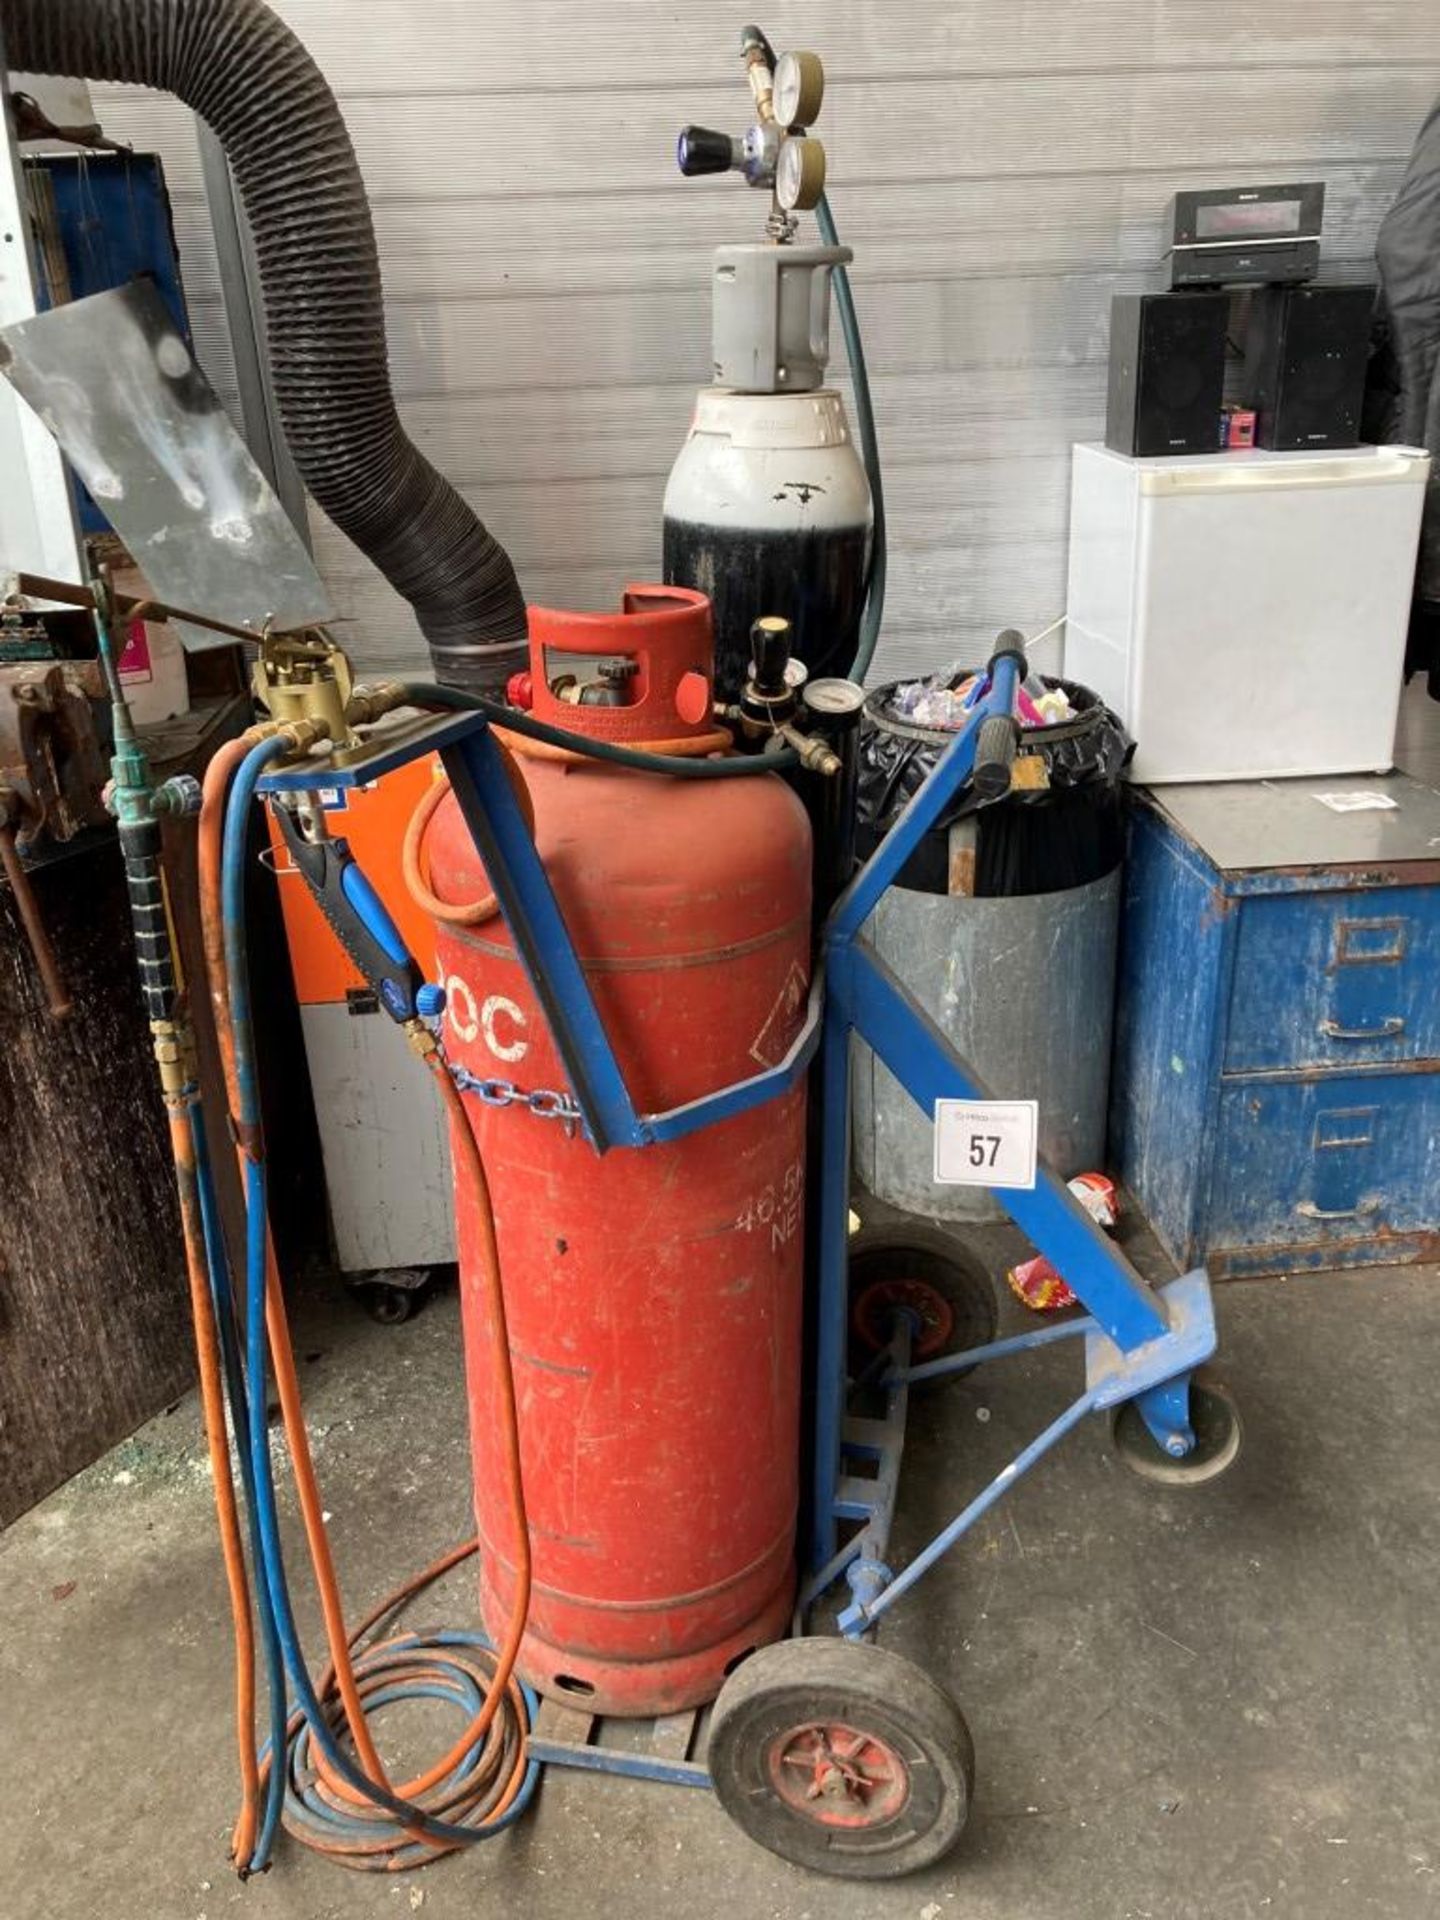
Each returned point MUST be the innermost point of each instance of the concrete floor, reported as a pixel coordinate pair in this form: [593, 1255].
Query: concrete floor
[1208, 1705]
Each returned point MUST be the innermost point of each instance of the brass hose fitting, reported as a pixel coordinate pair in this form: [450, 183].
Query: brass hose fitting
[370, 703]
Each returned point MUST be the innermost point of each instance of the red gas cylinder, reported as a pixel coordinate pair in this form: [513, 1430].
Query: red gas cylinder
[653, 1295]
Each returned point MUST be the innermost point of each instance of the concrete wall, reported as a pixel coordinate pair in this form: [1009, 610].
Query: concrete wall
[1001, 169]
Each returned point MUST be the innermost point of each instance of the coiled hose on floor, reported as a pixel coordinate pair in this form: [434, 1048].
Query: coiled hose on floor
[247, 75]
[321, 1762]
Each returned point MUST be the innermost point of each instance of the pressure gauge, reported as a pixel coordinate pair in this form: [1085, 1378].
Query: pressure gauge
[799, 87]
[833, 698]
[800, 175]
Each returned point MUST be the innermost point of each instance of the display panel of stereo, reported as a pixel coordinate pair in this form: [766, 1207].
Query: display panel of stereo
[1238, 236]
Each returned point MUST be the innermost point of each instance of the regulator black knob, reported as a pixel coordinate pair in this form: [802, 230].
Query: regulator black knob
[702, 150]
[769, 655]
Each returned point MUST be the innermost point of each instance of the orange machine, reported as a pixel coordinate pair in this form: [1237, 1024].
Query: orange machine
[387, 1162]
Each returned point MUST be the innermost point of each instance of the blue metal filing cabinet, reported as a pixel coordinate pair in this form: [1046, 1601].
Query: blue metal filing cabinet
[1275, 1100]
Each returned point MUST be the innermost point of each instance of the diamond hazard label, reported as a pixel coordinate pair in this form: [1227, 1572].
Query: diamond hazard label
[773, 1041]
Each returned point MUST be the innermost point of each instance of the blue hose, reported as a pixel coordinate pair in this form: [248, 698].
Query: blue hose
[310, 1718]
[222, 1301]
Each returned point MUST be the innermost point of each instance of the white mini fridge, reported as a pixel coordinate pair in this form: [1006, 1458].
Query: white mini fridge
[1244, 613]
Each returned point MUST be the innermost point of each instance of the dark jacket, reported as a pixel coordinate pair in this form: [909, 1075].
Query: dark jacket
[1403, 391]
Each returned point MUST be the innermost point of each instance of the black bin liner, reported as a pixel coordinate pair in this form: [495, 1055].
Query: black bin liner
[1033, 842]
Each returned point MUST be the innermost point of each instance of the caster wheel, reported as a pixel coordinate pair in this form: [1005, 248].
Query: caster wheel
[932, 1275]
[1218, 1434]
[392, 1294]
[842, 1758]
[389, 1305]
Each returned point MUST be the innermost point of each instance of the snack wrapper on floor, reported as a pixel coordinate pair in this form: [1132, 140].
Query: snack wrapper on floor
[1036, 1281]
[1038, 1284]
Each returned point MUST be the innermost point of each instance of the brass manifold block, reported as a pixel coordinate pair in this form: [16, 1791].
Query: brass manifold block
[305, 682]
[304, 731]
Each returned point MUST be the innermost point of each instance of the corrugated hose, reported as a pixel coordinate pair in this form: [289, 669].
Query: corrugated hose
[247, 75]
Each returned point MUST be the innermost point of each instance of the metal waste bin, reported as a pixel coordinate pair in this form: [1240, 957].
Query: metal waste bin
[1042, 968]
[1037, 957]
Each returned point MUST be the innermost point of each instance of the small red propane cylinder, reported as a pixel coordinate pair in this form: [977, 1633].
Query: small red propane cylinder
[653, 1295]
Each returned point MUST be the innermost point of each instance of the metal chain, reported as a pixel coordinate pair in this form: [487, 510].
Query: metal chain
[546, 1103]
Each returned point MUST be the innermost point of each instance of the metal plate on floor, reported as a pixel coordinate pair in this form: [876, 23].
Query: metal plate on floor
[116, 384]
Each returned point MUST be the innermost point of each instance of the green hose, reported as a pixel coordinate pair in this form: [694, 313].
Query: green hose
[422, 693]
[869, 448]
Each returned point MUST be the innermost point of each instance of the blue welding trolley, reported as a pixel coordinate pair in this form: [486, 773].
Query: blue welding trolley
[834, 1753]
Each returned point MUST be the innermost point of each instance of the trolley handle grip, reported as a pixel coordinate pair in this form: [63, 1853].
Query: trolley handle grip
[995, 747]
[1009, 645]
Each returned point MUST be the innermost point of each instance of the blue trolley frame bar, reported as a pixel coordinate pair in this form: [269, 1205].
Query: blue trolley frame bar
[1139, 1344]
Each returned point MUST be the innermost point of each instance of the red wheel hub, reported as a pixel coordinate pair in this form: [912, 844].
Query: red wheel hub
[838, 1775]
[876, 1306]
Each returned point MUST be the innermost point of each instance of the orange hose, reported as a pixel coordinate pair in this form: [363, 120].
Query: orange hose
[287, 1381]
[471, 913]
[212, 1401]
[415, 867]
[223, 765]
[690, 746]
[212, 824]
[307, 1487]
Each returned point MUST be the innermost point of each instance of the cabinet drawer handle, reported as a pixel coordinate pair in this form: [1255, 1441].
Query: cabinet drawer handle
[1312, 1212]
[1386, 1030]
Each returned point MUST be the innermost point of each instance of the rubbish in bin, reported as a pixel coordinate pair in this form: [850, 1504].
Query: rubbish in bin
[1062, 830]
[1035, 1281]
[945, 700]
[937, 702]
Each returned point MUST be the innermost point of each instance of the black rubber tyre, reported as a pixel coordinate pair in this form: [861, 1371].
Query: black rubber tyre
[842, 1758]
[392, 1295]
[391, 1306]
[1218, 1437]
[926, 1269]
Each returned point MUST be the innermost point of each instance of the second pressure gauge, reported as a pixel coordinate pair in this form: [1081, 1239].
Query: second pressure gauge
[800, 174]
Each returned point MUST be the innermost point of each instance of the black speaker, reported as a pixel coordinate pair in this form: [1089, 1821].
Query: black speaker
[1167, 372]
[1306, 350]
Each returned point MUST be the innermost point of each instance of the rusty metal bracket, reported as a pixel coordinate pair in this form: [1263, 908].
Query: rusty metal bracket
[28, 909]
[52, 758]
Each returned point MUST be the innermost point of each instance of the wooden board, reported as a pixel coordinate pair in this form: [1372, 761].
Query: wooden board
[94, 1332]
[94, 1304]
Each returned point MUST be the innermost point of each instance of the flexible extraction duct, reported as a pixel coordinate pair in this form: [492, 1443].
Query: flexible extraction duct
[245, 73]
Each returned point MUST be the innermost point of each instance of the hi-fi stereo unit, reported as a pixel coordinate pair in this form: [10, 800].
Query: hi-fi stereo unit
[1239, 236]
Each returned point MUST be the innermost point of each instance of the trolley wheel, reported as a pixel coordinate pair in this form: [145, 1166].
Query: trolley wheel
[1218, 1434]
[930, 1273]
[842, 1757]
